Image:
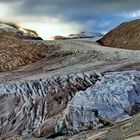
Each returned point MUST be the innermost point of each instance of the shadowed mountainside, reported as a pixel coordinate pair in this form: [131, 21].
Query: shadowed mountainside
[125, 36]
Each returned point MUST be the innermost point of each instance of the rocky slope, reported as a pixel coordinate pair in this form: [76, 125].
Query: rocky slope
[125, 36]
[14, 52]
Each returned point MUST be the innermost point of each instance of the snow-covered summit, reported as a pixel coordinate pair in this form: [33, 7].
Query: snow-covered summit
[85, 35]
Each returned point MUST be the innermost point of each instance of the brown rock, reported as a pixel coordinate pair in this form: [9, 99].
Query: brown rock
[125, 36]
[59, 37]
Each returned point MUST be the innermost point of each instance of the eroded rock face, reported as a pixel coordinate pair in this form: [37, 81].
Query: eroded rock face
[36, 107]
[15, 52]
[126, 36]
[68, 104]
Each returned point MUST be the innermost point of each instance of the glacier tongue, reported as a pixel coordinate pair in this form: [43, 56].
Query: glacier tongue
[34, 106]
[68, 104]
[114, 99]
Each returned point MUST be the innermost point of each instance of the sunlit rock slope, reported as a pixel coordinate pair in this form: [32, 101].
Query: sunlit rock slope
[125, 36]
[15, 52]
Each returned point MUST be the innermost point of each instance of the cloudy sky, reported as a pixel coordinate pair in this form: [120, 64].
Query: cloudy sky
[51, 17]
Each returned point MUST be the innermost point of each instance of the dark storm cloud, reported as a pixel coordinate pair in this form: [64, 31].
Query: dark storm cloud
[99, 15]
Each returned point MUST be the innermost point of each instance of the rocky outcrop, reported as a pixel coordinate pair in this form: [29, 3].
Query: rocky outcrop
[125, 36]
[59, 37]
[19, 32]
[15, 52]
[68, 104]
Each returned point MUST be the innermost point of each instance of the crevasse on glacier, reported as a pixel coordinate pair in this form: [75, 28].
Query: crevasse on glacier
[68, 104]
[114, 99]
